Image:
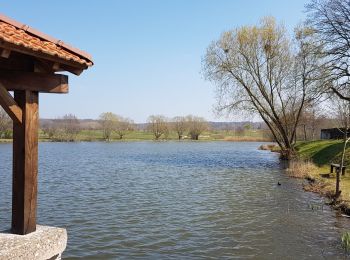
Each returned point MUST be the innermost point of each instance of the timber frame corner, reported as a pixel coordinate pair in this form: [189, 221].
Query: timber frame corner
[29, 62]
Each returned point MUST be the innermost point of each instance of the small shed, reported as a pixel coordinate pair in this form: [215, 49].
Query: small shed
[333, 133]
[29, 65]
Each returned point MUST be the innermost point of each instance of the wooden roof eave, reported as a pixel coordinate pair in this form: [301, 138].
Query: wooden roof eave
[64, 64]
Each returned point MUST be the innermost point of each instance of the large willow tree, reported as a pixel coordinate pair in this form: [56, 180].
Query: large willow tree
[257, 69]
[330, 20]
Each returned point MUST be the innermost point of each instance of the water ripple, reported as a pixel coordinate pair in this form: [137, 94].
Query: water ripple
[169, 200]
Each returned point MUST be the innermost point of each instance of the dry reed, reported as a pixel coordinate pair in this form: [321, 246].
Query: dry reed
[302, 169]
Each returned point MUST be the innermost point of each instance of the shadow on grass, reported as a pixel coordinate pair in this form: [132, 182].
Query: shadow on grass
[327, 154]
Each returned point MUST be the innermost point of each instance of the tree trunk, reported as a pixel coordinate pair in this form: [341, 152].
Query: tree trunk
[341, 165]
[343, 153]
[288, 153]
[337, 183]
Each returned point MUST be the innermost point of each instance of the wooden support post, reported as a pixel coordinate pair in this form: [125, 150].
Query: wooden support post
[9, 105]
[25, 163]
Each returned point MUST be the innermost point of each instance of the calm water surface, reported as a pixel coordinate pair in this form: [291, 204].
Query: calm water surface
[178, 200]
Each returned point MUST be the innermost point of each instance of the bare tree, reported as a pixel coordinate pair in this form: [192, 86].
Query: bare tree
[70, 127]
[196, 126]
[50, 128]
[315, 121]
[331, 21]
[239, 131]
[180, 126]
[108, 122]
[312, 121]
[228, 128]
[123, 126]
[5, 124]
[258, 70]
[157, 124]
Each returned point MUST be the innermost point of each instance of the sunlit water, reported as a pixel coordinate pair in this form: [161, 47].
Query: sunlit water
[180, 200]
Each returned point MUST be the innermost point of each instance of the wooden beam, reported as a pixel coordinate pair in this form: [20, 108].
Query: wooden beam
[71, 69]
[25, 164]
[40, 67]
[56, 66]
[5, 53]
[17, 61]
[9, 105]
[46, 66]
[41, 82]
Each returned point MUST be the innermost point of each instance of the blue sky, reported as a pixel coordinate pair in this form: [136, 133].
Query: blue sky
[147, 54]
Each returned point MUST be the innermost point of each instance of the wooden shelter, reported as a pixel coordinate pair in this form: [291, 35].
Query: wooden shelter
[334, 133]
[29, 62]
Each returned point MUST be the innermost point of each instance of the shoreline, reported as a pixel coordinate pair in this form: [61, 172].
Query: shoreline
[44, 140]
[325, 190]
[317, 179]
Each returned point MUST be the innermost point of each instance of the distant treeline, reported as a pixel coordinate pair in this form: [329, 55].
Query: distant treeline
[112, 126]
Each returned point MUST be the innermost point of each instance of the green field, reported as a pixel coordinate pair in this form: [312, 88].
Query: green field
[97, 135]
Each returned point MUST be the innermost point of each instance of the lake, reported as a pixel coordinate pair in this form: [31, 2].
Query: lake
[156, 200]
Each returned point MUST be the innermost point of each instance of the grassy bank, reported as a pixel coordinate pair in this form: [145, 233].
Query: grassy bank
[248, 135]
[316, 157]
[97, 135]
[322, 152]
[242, 136]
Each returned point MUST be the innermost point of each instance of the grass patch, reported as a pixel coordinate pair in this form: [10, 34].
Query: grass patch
[322, 153]
[345, 241]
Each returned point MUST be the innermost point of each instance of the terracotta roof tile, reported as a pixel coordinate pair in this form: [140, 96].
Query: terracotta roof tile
[20, 35]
